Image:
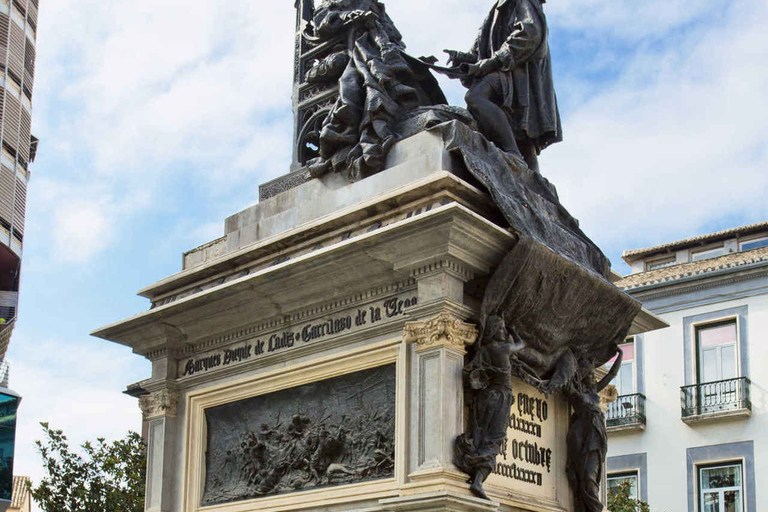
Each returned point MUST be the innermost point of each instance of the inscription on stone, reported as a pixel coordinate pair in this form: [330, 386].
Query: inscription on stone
[527, 460]
[326, 433]
[318, 330]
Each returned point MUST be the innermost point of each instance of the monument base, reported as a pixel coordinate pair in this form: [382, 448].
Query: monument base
[312, 358]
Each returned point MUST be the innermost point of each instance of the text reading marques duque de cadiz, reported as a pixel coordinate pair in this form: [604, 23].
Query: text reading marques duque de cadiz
[312, 331]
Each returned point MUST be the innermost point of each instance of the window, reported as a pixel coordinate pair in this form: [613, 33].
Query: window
[616, 479]
[716, 351]
[707, 254]
[628, 411]
[716, 366]
[755, 243]
[625, 379]
[721, 488]
[665, 262]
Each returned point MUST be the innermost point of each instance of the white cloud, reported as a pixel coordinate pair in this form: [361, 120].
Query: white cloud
[629, 19]
[677, 143]
[81, 229]
[148, 94]
[172, 106]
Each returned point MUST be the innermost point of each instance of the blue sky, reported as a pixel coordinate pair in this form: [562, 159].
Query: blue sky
[158, 119]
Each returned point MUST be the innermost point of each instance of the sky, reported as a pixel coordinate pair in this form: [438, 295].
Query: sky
[159, 118]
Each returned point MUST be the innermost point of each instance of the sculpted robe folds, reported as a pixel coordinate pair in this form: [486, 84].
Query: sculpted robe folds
[378, 87]
[515, 32]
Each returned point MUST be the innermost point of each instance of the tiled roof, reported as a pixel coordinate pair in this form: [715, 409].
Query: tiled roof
[20, 492]
[635, 254]
[668, 274]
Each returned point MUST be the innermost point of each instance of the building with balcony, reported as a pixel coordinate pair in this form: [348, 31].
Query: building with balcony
[18, 34]
[689, 426]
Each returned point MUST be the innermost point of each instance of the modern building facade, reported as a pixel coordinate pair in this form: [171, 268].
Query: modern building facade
[22, 497]
[690, 427]
[18, 33]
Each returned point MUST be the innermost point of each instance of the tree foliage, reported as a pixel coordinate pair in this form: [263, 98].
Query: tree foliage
[107, 477]
[619, 500]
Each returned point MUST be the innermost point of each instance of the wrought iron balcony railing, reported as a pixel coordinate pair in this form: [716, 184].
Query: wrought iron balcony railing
[731, 395]
[626, 411]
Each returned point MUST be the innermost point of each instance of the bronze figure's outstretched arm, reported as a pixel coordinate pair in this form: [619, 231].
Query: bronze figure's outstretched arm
[612, 373]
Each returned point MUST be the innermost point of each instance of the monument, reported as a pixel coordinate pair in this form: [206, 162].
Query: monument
[409, 319]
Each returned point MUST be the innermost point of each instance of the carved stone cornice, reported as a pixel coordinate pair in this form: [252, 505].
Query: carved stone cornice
[443, 265]
[158, 404]
[444, 330]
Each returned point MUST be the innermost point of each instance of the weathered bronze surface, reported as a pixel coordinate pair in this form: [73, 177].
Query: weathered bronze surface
[508, 72]
[358, 87]
[330, 432]
[587, 439]
[551, 292]
[488, 378]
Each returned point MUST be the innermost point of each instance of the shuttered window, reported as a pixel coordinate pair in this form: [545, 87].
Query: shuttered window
[24, 133]
[11, 123]
[19, 207]
[7, 185]
[5, 23]
[29, 67]
[16, 56]
[32, 14]
[21, 6]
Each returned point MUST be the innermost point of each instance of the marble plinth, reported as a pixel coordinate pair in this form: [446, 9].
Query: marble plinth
[323, 281]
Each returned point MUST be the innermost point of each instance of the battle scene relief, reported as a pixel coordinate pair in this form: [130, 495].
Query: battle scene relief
[326, 433]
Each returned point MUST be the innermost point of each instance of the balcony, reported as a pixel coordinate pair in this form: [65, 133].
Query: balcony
[626, 413]
[716, 400]
[8, 303]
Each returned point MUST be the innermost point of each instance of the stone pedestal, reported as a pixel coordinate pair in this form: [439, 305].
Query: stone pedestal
[308, 293]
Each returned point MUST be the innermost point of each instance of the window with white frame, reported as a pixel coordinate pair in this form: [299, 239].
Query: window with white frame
[625, 380]
[721, 488]
[667, 261]
[755, 243]
[707, 254]
[717, 352]
[615, 480]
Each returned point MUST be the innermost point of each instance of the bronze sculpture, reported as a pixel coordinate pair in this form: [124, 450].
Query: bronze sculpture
[509, 75]
[378, 86]
[357, 93]
[587, 439]
[317, 435]
[489, 379]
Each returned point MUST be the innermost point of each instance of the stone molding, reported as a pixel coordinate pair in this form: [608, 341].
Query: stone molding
[315, 311]
[306, 246]
[450, 266]
[445, 501]
[444, 330]
[159, 404]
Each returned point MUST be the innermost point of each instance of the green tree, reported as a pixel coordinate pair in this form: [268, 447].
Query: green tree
[619, 500]
[107, 477]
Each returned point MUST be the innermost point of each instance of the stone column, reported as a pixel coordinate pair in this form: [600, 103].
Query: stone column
[159, 411]
[437, 348]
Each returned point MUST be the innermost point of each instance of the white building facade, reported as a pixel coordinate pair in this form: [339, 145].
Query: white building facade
[690, 428]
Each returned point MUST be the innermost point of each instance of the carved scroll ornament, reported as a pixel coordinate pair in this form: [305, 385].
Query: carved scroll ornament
[443, 330]
[159, 403]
